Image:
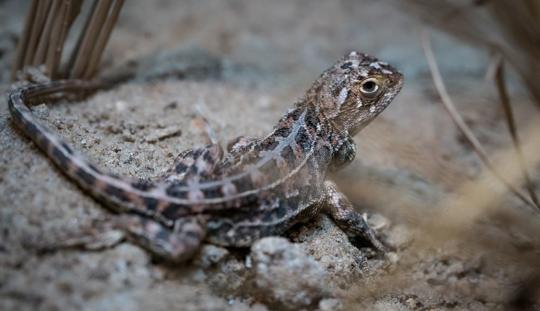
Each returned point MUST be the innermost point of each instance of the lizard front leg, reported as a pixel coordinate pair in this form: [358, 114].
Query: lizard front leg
[176, 244]
[345, 154]
[337, 206]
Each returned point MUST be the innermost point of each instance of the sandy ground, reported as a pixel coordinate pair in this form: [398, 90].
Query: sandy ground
[241, 64]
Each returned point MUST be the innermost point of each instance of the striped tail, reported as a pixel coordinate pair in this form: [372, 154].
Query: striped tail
[119, 194]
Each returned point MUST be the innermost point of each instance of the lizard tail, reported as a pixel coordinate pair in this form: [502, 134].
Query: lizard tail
[119, 194]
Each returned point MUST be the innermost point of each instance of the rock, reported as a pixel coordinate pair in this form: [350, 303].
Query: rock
[228, 277]
[331, 247]
[389, 305]
[210, 255]
[378, 222]
[221, 271]
[284, 275]
[392, 257]
[330, 304]
[399, 237]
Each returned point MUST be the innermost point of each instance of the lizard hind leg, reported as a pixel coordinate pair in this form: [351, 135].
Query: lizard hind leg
[174, 244]
[195, 163]
[241, 144]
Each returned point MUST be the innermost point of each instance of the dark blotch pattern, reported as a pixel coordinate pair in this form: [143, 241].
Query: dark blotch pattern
[193, 170]
[283, 131]
[207, 156]
[16, 113]
[170, 212]
[67, 148]
[31, 129]
[336, 89]
[180, 168]
[116, 192]
[150, 203]
[142, 185]
[311, 119]
[293, 202]
[94, 169]
[268, 217]
[346, 65]
[211, 193]
[60, 157]
[295, 114]
[86, 177]
[269, 144]
[303, 139]
[281, 210]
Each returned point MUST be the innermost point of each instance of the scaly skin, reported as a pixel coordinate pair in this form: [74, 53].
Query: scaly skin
[260, 187]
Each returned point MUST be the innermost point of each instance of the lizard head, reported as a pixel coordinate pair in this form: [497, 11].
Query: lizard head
[355, 90]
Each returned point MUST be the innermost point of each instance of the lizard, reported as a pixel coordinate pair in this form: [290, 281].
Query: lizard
[255, 188]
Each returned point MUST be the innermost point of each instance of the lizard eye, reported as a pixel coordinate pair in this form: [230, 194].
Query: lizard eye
[369, 87]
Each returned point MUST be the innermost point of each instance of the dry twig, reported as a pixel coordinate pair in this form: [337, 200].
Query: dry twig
[463, 127]
[512, 28]
[508, 112]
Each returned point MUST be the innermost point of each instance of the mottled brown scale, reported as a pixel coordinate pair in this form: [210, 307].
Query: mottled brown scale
[260, 187]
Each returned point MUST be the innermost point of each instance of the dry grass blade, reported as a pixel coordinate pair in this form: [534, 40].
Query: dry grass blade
[475, 198]
[58, 37]
[456, 218]
[46, 29]
[23, 44]
[44, 39]
[463, 127]
[507, 108]
[102, 39]
[89, 37]
[37, 24]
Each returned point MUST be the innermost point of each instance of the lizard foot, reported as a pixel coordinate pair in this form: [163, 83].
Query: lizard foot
[341, 210]
[176, 244]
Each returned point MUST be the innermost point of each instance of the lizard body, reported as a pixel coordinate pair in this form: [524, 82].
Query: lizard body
[260, 187]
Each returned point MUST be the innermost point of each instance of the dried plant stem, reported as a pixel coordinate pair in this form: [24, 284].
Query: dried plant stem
[23, 45]
[42, 10]
[463, 127]
[89, 37]
[510, 121]
[46, 28]
[102, 39]
[57, 37]
[43, 42]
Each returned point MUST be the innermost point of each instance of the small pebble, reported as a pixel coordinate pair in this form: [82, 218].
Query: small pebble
[164, 133]
[399, 237]
[330, 304]
[378, 222]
